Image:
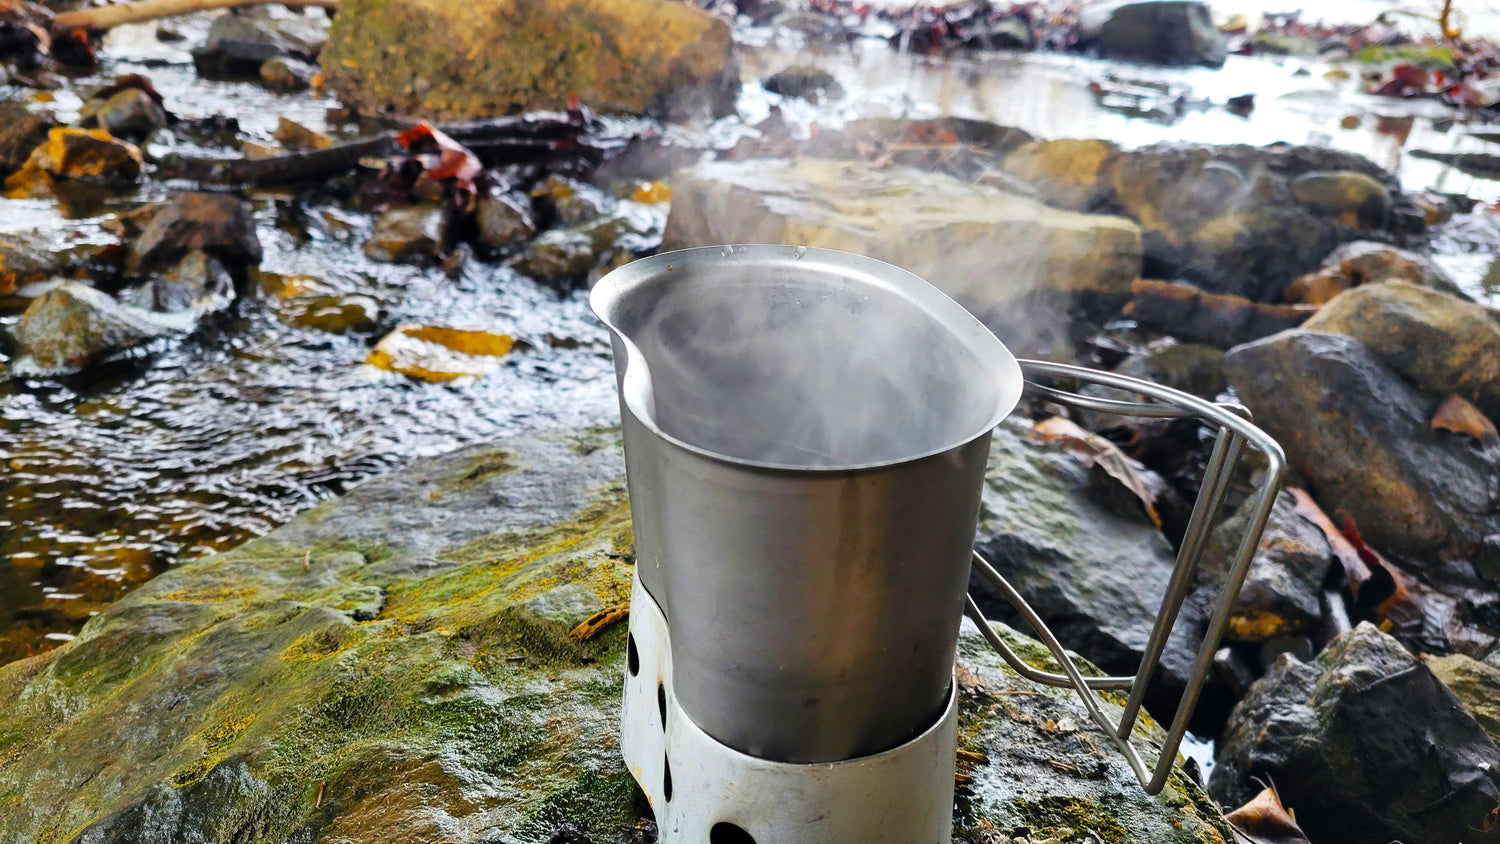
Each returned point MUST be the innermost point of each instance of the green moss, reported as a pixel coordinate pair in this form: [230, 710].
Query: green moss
[483, 468]
[1051, 815]
[1430, 56]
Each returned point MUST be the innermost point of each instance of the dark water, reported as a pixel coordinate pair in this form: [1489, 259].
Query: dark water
[225, 434]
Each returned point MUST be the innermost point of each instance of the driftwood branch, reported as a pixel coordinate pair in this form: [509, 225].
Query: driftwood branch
[1214, 318]
[108, 17]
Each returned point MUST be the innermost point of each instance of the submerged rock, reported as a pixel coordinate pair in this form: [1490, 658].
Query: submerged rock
[218, 224]
[197, 284]
[1364, 744]
[1361, 435]
[809, 83]
[504, 220]
[411, 234]
[488, 58]
[981, 245]
[335, 314]
[571, 202]
[1088, 560]
[1439, 343]
[1172, 32]
[242, 40]
[434, 353]
[1366, 262]
[395, 665]
[73, 325]
[24, 261]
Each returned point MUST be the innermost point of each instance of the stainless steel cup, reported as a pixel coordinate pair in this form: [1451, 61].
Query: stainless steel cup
[805, 439]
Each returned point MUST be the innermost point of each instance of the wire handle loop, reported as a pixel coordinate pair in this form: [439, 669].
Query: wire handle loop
[1234, 433]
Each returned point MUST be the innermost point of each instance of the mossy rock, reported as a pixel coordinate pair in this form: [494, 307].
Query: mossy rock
[396, 666]
[489, 58]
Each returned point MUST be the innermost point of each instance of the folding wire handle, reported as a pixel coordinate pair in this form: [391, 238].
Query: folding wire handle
[1235, 431]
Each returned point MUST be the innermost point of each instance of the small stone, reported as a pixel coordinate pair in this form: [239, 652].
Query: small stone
[216, 223]
[558, 257]
[286, 74]
[411, 234]
[432, 353]
[199, 283]
[242, 40]
[1365, 262]
[73, 325]
[504, 219]
[1359, 200]
[87, 154]
[293, 135]
[334, 314]
[131, 113]
[22, 262]
[21, 131]
[807, 82]
[570, 201]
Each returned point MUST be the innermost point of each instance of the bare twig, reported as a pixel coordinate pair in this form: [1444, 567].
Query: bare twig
[108, 17]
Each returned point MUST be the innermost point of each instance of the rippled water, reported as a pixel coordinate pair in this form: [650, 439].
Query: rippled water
[233, 430]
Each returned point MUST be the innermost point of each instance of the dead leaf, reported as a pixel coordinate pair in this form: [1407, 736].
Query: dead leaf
[1264, 820]
[1457, 415]
[596, 623]
[440, 158]
[1379, 588]
[1104, 454]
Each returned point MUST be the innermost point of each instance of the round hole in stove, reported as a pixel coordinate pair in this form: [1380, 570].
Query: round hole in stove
[728, 833]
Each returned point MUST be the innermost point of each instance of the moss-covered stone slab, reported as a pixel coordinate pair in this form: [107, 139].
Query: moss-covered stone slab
[486, 58]
[396, 666]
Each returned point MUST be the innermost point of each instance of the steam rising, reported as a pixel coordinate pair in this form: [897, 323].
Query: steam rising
[799, 366]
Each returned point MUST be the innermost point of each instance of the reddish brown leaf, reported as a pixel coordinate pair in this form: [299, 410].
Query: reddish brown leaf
[1104, 454]
[1400, 606]
[442, 158]
[1377, 586]
[1264, 820]
[1457, 415]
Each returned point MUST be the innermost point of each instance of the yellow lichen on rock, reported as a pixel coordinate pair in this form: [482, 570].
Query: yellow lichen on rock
[433, 353]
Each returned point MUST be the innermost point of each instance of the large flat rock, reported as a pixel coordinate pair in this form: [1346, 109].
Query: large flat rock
[396, 666]
[980, 245]
[487, 58]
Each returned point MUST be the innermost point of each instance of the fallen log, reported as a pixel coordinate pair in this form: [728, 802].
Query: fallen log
[1481, 164]
[108, 17]
[1214, 319]
[502, 140]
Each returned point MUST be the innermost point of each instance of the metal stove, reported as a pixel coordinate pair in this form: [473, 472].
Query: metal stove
[806, 433]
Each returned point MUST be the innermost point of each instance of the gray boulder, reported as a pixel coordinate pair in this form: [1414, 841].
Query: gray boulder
[1171, 32]
[72, 326]
[1364, 744]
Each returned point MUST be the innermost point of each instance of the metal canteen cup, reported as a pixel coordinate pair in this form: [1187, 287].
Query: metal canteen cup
[806, 433]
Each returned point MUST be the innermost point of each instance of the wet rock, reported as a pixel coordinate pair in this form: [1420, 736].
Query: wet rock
[1190, 367]
[301, 723]
[21, 131]
[435, 353]
[1439, 343]
[1224, 217]
[197, 284]
[1365, 262]
[131, 113]
[220, 225]
[1279, 598]
[412, 234]
[504, 220]
[241, 41]
[1360, 433]
[1476, 684]
[807, 82]
[73, 325]
[981, 245]
[437, 59]
[293, 135]
[1357, 199]
[1066, 173]
[334, 314]
[23, 261]
[1170, 32]
[558, 257]
[570, 202]
[1086, 559]
[1364, 744]
[86, 154]
[286, 74]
